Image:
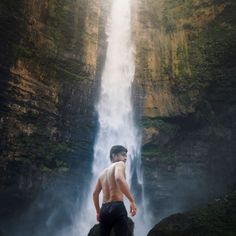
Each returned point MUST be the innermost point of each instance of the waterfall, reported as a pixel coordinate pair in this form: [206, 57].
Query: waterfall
[115, 114]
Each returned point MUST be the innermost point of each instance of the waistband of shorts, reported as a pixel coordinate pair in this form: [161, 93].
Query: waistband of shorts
[107, 203]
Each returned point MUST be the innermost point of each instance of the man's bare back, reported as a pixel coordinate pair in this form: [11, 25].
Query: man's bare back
[110, 188]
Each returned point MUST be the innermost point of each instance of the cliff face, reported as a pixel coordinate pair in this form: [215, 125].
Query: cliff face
[185, 97]
[48, 65]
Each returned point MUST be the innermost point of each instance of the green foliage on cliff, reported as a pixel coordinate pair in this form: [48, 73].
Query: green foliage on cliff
[213, 53]
[211, 48]
[44, 42]
[23, 51]
[192, 45]
[174, 10]
[57, 49]
[159, 123]
[155, 155]
[200, 43]
[151, 151]
[156, 152]
[60, 20]
[217, 219]
[46, 154]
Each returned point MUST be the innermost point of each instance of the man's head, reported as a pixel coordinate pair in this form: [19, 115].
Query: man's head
[118, 153]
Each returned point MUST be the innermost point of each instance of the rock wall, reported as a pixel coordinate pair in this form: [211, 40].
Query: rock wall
[184, 97]
[48, 68]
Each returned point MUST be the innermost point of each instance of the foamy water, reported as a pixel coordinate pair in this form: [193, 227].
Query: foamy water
[115, 114]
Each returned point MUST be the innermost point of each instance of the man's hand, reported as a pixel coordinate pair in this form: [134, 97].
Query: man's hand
[133, 208]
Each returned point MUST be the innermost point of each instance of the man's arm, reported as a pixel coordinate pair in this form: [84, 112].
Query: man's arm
[96, 193]
[123, 185]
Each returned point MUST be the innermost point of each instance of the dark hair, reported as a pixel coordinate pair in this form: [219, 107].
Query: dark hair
[116, 150]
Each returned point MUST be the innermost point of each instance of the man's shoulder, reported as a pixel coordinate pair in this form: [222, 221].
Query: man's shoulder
[104, 171]
[119, 164]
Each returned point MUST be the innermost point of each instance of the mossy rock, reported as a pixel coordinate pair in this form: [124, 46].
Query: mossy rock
[218, 218]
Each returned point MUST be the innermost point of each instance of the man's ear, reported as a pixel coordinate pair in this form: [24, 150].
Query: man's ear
[113, 156]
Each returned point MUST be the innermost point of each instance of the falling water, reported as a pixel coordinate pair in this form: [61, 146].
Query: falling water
[115, 113]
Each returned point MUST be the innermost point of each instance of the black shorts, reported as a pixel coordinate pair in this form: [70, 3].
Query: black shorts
[113, 215]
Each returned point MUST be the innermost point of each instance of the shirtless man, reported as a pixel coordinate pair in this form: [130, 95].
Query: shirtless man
[113, 183]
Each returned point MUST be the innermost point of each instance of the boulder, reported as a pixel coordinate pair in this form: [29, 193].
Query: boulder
[96, 229]
[218, 218]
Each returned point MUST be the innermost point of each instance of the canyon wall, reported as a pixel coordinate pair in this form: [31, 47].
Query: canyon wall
[185, 98]
[49, 53]
[51, 60]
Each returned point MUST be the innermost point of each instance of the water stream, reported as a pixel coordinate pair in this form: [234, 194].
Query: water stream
[116, 118]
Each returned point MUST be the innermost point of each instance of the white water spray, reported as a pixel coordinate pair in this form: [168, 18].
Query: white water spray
[116, 123]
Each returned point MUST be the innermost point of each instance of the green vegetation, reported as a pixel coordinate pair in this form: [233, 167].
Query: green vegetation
[155, 155]
[166, 69]
[188, 27]
[161, 124]
[210, 49]
[49, 42]
[218, 218]
[64, 32]
[169, 24]
[60, 22]
[151, 151]
[213, 51]
[48, 155]
[144, 71]
[23, 51]
[173, 10]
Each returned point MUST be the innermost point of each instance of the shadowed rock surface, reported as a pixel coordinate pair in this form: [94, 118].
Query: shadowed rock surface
[48, 62]
[96, 229]
[218, 219]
